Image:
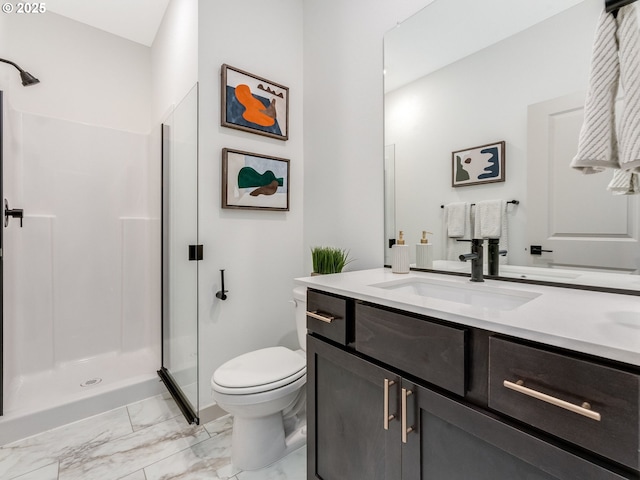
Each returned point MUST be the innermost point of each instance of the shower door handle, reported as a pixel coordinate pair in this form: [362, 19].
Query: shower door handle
[15, 213]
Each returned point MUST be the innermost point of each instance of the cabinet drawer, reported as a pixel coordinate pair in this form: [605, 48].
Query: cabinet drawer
[327, 315]
[588, 404]
[432, 352]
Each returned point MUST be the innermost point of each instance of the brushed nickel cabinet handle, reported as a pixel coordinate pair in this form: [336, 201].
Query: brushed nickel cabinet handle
[323, 318]
[584, 410]
[387, 417]
[405, 430]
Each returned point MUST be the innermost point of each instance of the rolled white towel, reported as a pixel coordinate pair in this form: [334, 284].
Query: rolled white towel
[629, 54]
[597, 145]
[624, 183]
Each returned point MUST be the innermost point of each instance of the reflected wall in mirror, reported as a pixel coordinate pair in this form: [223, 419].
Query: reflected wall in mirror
[513, 71]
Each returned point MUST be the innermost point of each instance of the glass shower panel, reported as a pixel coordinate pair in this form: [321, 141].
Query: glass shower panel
[179, 255]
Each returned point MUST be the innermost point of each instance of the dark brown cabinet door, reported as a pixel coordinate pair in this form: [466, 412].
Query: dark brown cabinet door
[346, 437]
[453, 441]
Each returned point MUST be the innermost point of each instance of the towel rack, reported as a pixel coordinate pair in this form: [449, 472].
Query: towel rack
[613, 5]
[515, 202]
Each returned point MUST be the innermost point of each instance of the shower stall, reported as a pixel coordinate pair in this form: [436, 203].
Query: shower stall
[80, 271]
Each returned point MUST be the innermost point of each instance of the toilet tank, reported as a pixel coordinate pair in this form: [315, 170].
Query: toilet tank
[300, 303]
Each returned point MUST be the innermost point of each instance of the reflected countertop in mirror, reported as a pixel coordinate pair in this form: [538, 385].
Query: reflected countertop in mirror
[452, 83]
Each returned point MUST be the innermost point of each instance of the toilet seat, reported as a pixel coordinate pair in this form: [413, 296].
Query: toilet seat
[259, 371]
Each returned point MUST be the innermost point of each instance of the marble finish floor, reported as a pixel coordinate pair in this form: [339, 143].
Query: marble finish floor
[148, 440]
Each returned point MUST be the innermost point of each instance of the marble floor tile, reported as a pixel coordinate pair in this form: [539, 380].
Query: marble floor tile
[139, 475]
[152, 410]
[208, 460]
[133, 452]
[291, 467]
[33, 453]
[147, 440]
[50, 472]
[219, 425]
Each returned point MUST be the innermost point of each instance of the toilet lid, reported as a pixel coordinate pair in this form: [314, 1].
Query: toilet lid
[261, 368]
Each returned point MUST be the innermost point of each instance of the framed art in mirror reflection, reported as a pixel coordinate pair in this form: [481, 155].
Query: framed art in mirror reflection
[477, 165]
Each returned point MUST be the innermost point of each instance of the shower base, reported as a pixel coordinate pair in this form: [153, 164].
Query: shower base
[72, 391]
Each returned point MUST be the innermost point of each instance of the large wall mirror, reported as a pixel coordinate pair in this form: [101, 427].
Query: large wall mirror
[464, 73]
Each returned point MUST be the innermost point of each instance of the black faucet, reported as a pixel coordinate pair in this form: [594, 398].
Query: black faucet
[476, 259]
[494, 252]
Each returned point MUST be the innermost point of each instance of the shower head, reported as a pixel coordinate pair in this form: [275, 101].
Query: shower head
[27, 78]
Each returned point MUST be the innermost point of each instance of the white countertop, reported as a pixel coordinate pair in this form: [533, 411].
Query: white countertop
[601, 324]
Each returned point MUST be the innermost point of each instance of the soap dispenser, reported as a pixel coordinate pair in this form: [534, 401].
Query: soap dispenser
[400, 256]
[424, 253]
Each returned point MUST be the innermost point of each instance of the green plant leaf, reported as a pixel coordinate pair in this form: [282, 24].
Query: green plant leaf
[329, 259]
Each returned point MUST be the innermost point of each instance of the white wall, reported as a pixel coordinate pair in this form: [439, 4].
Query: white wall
[261, 252]
[174, 58]
[336, 178]
[456, 107]
[343, 121]
[86, 75]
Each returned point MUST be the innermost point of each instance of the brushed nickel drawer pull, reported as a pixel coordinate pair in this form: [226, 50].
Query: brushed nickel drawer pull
[387, 417]
[405, 430]
[323, 318]
[584, 410]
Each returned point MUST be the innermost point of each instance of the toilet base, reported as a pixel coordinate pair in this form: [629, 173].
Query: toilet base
[259, 442]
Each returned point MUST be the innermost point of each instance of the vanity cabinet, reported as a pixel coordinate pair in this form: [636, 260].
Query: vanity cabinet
[411, 397]
[346, 434]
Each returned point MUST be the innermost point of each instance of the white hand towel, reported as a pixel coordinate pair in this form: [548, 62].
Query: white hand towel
[597, 146]
[456, 219]
[629, 57]
[489, 217]
[624, 183]
[456, 225]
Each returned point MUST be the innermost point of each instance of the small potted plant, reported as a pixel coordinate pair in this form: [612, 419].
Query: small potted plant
[329, 260]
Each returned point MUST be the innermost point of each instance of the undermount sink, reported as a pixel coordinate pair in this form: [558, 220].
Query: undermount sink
[478, 295]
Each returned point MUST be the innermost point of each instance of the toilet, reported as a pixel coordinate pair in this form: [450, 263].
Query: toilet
[265, 392]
